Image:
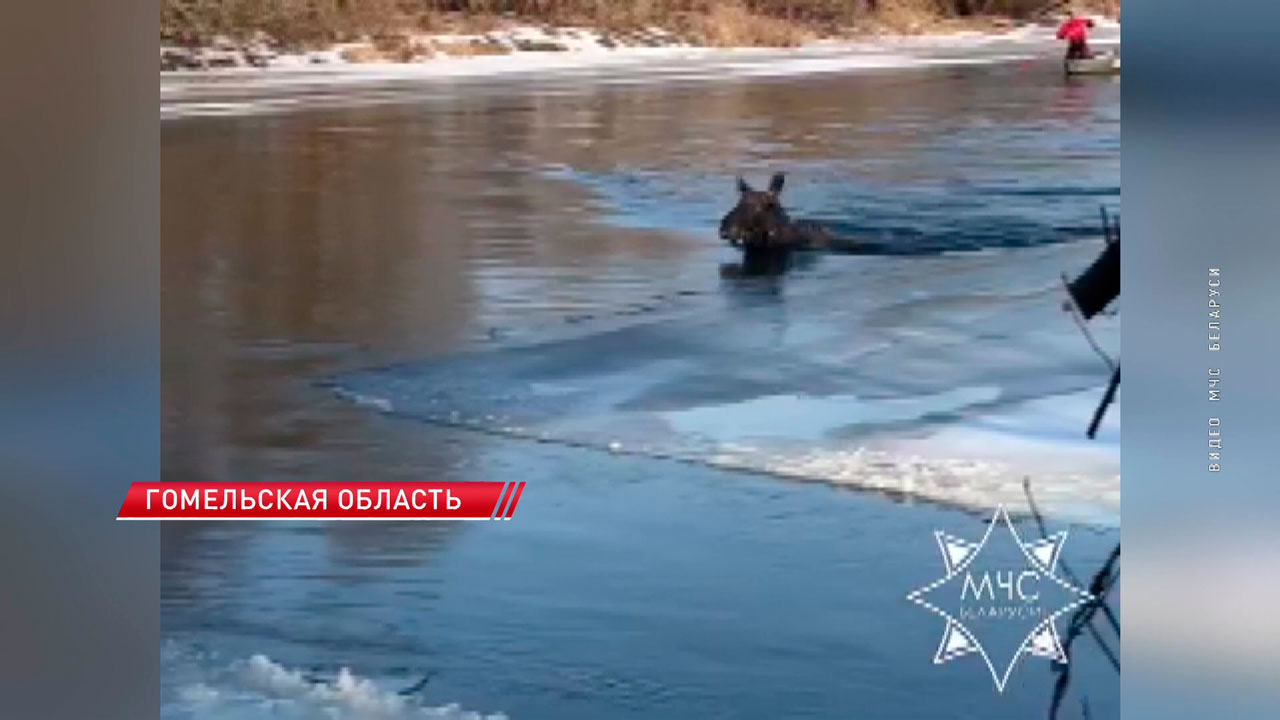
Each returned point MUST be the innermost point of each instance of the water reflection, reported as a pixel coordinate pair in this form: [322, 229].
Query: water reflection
[298, 244]
[459, 220]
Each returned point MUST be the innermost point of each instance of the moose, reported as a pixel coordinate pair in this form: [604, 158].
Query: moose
[766, 233]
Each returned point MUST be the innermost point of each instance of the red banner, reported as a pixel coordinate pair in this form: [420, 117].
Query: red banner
[321, 501]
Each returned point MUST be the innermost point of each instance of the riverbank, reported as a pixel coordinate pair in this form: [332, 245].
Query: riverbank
[771, 23]
[465, 37]
[328, 79]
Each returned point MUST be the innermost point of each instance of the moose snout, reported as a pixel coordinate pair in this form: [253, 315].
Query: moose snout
[727, 230]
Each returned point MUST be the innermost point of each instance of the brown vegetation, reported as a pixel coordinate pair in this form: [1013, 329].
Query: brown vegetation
[469, 48]
[733, 24]
[715, 22]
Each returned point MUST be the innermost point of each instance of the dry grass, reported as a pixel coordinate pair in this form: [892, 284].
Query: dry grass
[297, 23]
[387, 51]
[361, 54]
[909, 16]
[469, 48]
[406, 49]
[733, 24]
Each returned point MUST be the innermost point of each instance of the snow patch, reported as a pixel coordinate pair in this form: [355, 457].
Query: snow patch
[279, 82]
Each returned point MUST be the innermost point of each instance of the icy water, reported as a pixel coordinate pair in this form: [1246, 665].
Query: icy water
[733, 481]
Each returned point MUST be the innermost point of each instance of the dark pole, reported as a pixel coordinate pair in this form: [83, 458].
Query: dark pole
[1106, 402]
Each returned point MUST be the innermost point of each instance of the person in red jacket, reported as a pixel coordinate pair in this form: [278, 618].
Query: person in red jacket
[1076, 32]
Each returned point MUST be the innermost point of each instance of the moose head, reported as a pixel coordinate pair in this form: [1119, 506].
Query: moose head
[758, 219]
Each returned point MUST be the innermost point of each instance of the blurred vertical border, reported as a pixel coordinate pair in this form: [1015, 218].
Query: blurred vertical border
[1201, 158]
[79, 358]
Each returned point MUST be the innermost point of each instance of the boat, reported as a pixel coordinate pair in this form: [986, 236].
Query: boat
[1103, 64]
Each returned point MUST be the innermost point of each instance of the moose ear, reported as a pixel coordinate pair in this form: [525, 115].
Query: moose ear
[775, 183]
[743, 187]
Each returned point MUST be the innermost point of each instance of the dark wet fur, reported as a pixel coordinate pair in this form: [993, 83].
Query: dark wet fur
[761, 227]
[760, 261]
